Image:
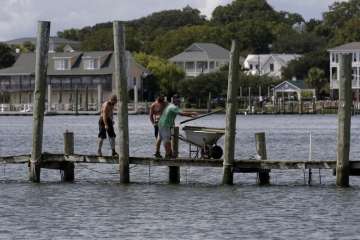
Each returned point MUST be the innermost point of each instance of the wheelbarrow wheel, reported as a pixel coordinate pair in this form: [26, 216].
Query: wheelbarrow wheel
[216, 152]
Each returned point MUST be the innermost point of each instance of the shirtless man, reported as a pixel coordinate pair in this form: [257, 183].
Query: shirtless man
[106, 125]
[156, 110]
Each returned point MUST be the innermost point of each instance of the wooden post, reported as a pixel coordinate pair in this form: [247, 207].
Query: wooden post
[209, 103]
[120, 74]
[68, 167]
[49, 98]
[99, 97]
[76, 100]
[344, 121]
[230, 130]
[136, 98]
[300, 104]
[263, 177]
[174, 172]
[249, 99]
[87, 98]
[41, 62]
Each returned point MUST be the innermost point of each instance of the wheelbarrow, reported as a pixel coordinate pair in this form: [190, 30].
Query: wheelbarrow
[205, 141]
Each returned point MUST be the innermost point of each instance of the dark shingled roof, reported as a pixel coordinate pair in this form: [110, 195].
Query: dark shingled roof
[348, 47]
[25, 64]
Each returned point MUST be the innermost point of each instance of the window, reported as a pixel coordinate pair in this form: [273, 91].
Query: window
[62, 64]
[337, 58]
[271, 67]
[251, 67]
[212, 65]
[201, 66]
[334, 73]
[91, 64]
[189, 66]
[354, 57]
[333, 57]
[354, 74]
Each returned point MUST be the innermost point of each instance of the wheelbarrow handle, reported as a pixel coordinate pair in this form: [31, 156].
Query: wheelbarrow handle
[201, 116]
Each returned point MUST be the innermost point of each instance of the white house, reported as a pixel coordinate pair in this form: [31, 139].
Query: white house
[201, 58]
[268, 64]
[352, 48]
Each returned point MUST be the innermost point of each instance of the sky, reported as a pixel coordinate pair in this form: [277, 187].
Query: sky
[18, 18]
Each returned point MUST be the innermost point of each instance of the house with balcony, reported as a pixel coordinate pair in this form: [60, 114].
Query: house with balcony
[354, 49]
[268, 64]
[91, 73]
[201, 58]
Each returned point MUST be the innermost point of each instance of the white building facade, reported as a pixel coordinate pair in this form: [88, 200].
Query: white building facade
[349, 48]
[268, 64]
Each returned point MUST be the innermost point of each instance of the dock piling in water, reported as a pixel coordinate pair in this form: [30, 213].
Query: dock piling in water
[231, 107]
[68, 167]
[344, 121]
[174, 171]
[120, 73]
[263, 176]
[41, 62]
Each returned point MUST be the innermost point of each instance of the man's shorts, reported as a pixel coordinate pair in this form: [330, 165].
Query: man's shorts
[102, 130]
[165, 134]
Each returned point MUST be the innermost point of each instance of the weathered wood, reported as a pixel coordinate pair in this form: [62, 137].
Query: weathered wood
[344, 121]
[68, 167]
[231, 107]
[49, 97]
[174, 171]
[136, 98]
[120, 74]
[209, 103]
[263, 176]
[41, 62]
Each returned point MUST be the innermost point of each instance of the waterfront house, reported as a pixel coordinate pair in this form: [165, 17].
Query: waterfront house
[89, 72]
[268, 64]
[201, 58]
[292, 89]
[354, 49]
[54, 43]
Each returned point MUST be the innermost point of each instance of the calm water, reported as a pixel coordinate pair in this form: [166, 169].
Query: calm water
[97, 207]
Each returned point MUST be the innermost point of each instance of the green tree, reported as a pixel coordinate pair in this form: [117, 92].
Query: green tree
[7, 56]
[99, 40]
[167, 75]
[348, 33]
[316, 79]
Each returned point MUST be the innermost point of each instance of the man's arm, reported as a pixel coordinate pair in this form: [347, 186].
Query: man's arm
[151, 114]
[188, 114]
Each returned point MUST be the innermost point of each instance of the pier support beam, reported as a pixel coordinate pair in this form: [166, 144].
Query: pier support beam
[42, 48]
[68, 167]
[120, 74]
[174, 172]
[230, 130]
[344, 121]
[264, 176]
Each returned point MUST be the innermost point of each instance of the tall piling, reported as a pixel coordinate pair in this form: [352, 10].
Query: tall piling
[68, 167]
[344, 121]
[230, 130]
[120, 75]
[41, 62]
[264, 176]
[174, 171]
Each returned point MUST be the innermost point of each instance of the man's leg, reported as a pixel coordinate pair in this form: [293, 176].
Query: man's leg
[112, 135]
[112, 144]
[100, 142]
[167, 146]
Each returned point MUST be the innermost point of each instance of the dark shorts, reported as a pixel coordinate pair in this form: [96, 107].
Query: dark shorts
[102, 130]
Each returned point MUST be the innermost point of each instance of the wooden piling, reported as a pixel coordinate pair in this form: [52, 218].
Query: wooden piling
[209, 103]
[174, 171]
[41, 62]
[344, 121]
[76, 100]
[263, 176]
[68, 167]
[230, 130]
[49, 98]
[121, 91]
[99, 97]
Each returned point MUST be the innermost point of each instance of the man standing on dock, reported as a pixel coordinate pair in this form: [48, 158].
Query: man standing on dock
[167, 121]
[156, 110]
[106, 125]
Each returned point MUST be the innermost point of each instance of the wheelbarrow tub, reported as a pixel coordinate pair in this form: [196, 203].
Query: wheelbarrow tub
[202, 136]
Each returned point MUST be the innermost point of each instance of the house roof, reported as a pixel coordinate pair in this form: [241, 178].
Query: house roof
[25, 64]
[348, 47]
[55, 40]
[202, 51]
[291, 85]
